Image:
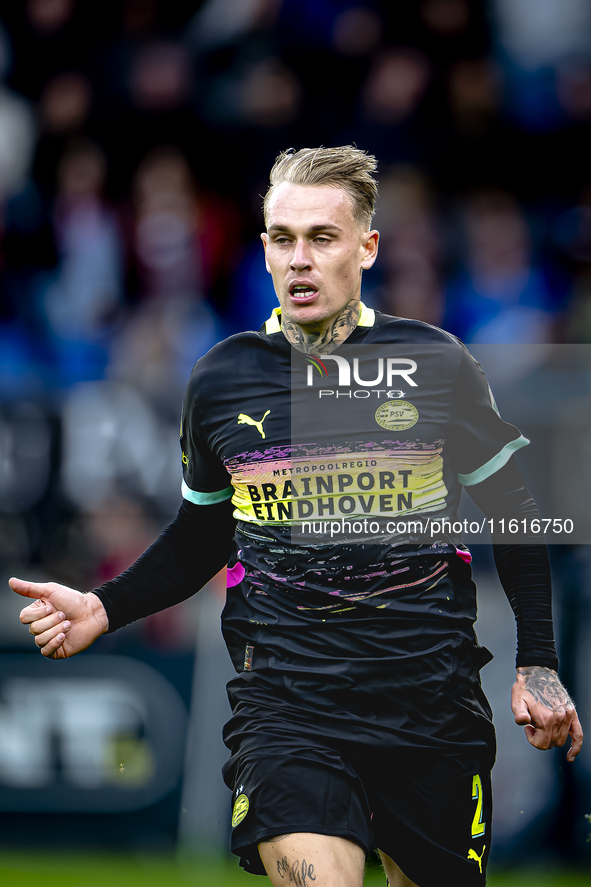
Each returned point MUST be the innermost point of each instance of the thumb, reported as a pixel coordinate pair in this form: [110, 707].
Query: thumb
[37, 590]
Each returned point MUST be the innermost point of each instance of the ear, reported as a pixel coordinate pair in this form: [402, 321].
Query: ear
[370, 249]
[265, 239]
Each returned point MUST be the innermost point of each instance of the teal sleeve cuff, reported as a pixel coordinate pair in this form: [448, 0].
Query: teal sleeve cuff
[198, 498]
[493, 465]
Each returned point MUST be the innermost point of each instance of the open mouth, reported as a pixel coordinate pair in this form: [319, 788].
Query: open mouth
[303, 293]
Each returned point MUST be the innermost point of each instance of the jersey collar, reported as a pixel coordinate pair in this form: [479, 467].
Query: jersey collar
[367, 317]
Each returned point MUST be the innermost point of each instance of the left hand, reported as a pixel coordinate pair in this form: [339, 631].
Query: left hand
[541, 703]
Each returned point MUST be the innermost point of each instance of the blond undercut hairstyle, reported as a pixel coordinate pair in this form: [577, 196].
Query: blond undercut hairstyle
[346, 167]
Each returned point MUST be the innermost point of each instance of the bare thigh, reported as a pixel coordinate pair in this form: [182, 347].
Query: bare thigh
[305, 859]
[396, 877]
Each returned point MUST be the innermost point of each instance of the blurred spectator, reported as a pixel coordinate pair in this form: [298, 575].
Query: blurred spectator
[157, 348]
[159, 78]
[53, 36]
[446, 18]
[225, 22]
[502, 294]
[82, 300]
[159, 90]
[21, 224]
[139, 16]
[453, 29]
[358, 35]
[357, 31]
[574, 88]
[536, 36]
[474, 93]
[229, 40]
[410, 247]
[395, 86]
[148, 84]
[474, 142]
[183, 235]
[180, 246]
[269, 94]
[537, 33]
[65, 103]
[166, 245]
[344, 25]
[256, 102]
[49, 16]
[571, 236]
[390, 122]
[64, 110]
[17, 130]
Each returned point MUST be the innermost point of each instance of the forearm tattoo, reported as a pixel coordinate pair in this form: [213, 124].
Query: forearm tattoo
[330, 338]
[545, 686]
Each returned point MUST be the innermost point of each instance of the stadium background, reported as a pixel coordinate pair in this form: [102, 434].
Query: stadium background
[135, 141]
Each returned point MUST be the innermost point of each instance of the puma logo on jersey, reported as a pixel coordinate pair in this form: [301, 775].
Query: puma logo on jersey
[472, 854]
[243, 419]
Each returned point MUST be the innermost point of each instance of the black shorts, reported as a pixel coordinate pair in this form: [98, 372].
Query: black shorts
[415, 784]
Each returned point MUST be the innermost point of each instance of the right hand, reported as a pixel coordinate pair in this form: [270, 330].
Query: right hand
[541, 704]
[62, 620]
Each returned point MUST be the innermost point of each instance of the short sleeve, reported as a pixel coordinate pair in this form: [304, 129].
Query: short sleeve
[479, 442]
[205, 479]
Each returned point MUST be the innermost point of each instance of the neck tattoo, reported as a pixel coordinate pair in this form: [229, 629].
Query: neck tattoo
[328, 339]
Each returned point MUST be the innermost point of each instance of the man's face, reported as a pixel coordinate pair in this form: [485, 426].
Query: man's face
[315, 251]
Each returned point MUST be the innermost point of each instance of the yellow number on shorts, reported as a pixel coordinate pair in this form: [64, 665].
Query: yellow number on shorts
[478, 826]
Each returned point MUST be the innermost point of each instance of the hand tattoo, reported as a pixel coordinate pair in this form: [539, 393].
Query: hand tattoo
[545, 686]
[330, 338]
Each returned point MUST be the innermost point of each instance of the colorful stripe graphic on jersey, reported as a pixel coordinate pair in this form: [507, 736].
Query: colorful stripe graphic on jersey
[310, 483]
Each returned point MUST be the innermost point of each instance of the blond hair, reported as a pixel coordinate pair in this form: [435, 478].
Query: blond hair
[346, 167]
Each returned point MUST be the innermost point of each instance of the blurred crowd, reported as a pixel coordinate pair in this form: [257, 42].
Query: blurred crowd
[135, 143]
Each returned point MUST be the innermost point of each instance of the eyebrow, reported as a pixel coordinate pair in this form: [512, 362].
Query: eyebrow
[327, 227]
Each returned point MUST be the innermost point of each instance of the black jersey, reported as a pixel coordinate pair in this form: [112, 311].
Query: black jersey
[350, 584]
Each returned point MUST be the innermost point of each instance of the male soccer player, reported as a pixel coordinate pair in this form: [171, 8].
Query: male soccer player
[323, 460]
